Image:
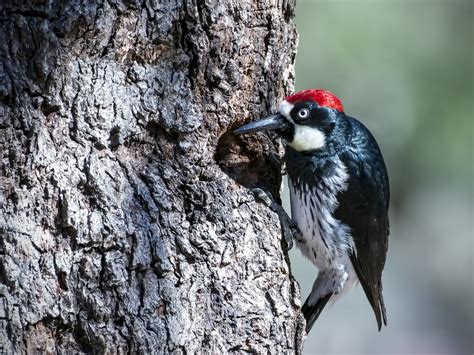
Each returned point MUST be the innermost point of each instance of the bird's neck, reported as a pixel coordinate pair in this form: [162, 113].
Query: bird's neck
[308, 165]
[308, 168]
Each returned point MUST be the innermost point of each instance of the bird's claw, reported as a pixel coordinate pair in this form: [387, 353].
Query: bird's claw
[287, 235]
[288, 227]
[264, 196]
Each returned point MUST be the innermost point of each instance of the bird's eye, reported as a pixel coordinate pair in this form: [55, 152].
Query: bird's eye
[303, 113]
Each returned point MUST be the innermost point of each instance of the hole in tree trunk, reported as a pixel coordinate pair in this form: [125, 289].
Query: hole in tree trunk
[251, 160]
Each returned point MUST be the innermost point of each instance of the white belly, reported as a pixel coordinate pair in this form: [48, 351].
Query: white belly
[326, 240]
[305, 212]
[326, 243]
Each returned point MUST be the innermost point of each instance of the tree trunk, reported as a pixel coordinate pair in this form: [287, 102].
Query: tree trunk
[126, 224]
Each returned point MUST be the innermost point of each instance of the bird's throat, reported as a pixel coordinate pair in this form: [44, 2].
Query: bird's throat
[307, 138]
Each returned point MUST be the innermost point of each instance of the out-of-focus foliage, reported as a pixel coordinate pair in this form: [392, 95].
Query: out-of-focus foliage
[405, 69]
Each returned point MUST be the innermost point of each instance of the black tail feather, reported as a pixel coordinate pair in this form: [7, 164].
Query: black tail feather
[375, 298]
[382, 306]
[312, 312]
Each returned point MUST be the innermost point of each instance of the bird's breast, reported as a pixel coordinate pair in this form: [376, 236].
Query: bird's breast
[313, 202]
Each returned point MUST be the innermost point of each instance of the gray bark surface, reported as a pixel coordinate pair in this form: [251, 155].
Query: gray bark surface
[126, 224]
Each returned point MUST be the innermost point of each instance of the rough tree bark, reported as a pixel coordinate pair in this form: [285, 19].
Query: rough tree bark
[126, 224]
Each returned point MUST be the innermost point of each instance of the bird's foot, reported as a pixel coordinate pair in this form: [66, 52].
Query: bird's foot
[263, 196]
[288, 227]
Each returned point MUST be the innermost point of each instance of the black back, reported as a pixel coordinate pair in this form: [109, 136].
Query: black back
[364, 208]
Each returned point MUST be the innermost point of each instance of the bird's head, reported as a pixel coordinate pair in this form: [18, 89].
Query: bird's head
[305, 119]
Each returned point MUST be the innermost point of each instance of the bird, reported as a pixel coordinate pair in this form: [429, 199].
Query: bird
[339, 197]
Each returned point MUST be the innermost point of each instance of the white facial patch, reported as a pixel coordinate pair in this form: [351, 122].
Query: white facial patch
[285, 109]
[307, 138]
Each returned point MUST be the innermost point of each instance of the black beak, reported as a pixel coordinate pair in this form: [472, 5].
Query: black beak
[265, 124]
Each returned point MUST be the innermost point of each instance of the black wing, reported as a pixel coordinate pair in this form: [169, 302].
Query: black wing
[364, 208]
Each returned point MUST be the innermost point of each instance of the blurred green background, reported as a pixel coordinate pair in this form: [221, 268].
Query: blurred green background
[405, 69]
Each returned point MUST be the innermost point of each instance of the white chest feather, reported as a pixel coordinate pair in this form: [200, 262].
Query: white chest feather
[325, 239]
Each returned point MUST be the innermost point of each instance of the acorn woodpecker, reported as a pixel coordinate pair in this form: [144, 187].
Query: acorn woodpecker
[339, 195]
